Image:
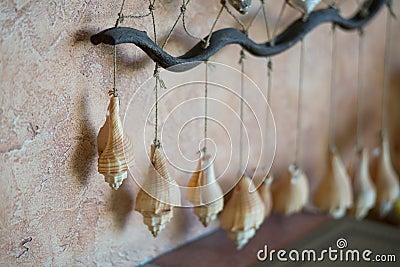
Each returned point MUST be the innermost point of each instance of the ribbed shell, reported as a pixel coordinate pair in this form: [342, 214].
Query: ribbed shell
[291, 194]
[243, 214]
[334, 193]
[118, 155]
[386, 181]
[363, 188]
[266, 196]
[158, 195]
[205, 193]
[242, 6]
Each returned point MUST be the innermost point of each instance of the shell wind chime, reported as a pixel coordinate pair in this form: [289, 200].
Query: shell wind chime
[304, 6]
[243, 214]
[265, 193]
[204, 192]
[291, 194]
[158, 195]
[334, 193]
[386, 180]
[363, 188]
[116, 154]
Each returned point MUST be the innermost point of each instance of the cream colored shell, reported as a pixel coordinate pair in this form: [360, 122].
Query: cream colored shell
[116, 154]
[304, 6]
[243, 214]
[266, 195]
[204, 192]
[158, 195]
[363, 188]
[334, 193]
[386, 181]
[291, 194]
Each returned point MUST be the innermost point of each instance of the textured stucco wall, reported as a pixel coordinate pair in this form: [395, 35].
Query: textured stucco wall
[54, 87]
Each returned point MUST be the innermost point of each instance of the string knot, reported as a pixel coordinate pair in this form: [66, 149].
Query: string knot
[157, 143]
[152, 7]
[242, 56]
[183, 8]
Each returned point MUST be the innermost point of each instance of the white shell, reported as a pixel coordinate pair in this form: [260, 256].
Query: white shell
[304, 6]
[204, 192]
[242, 6]
[265, 193]
[363, 188]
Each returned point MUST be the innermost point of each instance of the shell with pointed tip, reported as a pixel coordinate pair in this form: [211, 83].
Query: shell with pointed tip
[304, 6]
[204, 192]
[386, 181]
[117, 154]
[291, 194]
[334, 194]
[242, 6]
[158, 195]
[243, 214]
[266, 196]
[363, 188]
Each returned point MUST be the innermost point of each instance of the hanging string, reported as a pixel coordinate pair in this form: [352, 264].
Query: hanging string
[207, 42]
[205, 107]
[386, 75]
[241, 62]
[299, 104]
[332, 90]
[359, 102]
[278, 23]
[183, 10]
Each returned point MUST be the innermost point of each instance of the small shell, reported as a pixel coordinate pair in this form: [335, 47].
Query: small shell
[304, 6]
[334, 193]
[117, 156]
[291, 194]
[386, 181]
[265, 193]
[242, 6]
[363, 188]
[243, 214]
[204, 192]
[158, 195]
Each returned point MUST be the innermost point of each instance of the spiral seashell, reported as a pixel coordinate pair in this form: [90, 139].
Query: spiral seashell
[363, 188]
[304, 6]
[243, 214]
[156, 198]
[334, 193]
[242, 6]
[386, 181]
[117, 155]
[204, 192]
[265, 193]
[291, 194]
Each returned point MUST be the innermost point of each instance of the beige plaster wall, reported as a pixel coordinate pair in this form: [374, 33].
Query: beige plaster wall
[54, 85]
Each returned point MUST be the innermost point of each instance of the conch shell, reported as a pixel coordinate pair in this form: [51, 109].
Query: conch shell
[204, 192]
[291, 194]
[304, 6]
[117, 155]
[158, 195]
[334, 193]
[242, 6]
[386, 181]
[363, 188]
[265, 193]
[243, 214]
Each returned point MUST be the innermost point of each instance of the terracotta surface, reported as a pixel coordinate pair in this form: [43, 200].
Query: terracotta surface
[54, 86]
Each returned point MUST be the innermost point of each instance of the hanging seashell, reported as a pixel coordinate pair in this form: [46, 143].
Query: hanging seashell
[304, 6]
[265, 193]
[117, 156]
[243, 214]
[102, 137]
[363, 188]
[158, 195]
[386, 181]
[204, 192]
[242, 6]
[334, 193]
[291, 194]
